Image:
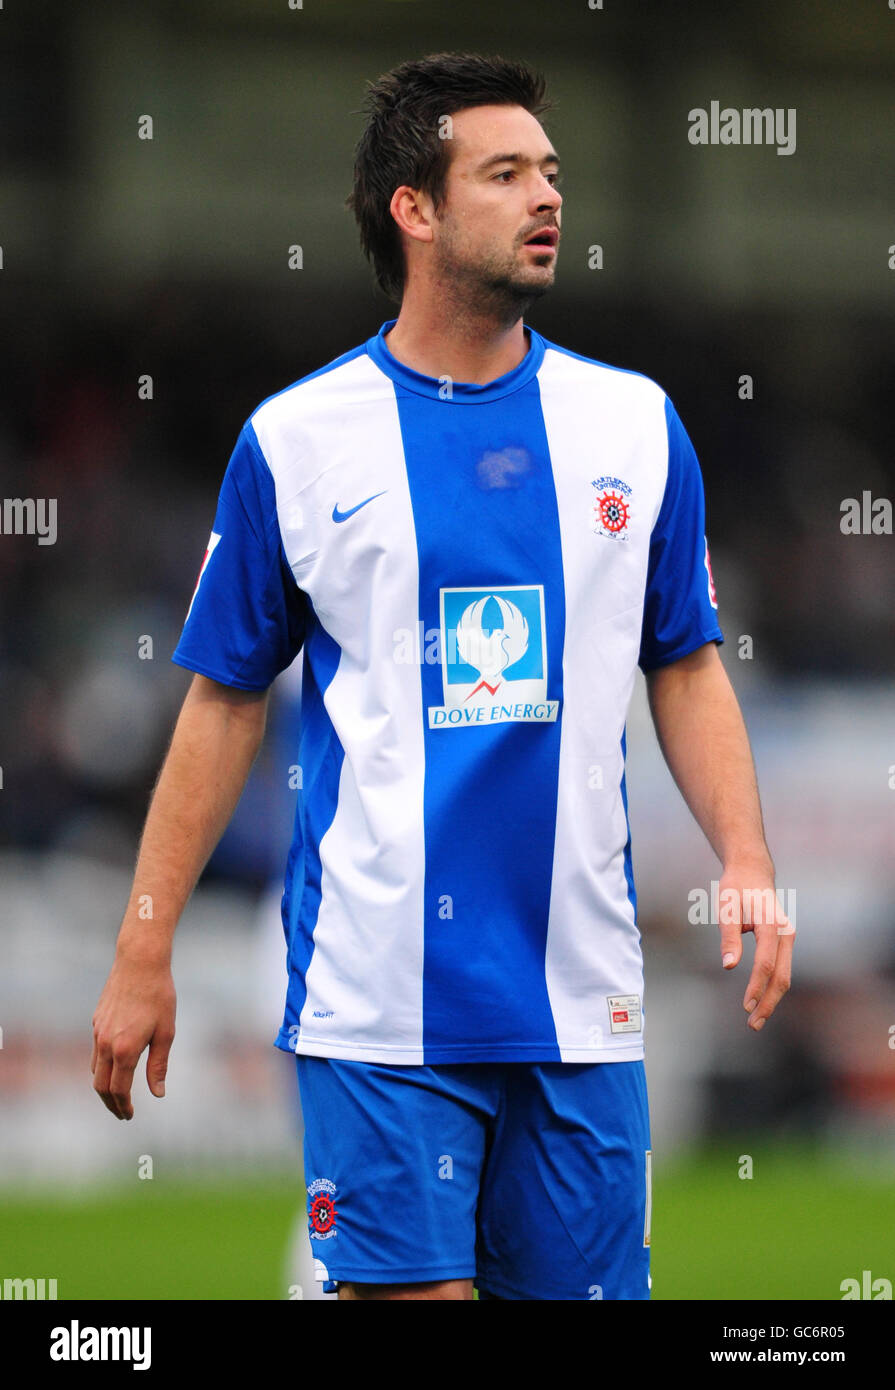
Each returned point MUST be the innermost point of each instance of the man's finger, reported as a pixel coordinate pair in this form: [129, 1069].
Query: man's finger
[731, 944]
[111, 1105]
[124, 1065]
[102, 1082]
[730, 923]
[784, 926]
[766, 943]
[157, 1063]
[769, 940]
[102, 1073]
[777, 986]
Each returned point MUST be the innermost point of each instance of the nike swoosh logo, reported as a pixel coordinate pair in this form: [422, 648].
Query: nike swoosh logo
[343, 516]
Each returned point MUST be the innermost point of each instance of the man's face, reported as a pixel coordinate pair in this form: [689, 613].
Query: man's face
[500, 193]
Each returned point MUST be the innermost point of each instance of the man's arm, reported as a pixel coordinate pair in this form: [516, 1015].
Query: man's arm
[216, 739]
[704, 742]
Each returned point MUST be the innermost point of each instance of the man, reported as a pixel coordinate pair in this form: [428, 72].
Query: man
[476, 536]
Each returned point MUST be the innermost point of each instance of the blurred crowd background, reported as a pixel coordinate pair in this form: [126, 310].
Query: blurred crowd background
[125, 258]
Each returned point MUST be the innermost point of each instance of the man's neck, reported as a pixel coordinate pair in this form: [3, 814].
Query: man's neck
[470, 346]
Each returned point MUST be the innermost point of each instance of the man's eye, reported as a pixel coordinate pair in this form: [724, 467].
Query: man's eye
[554, 178]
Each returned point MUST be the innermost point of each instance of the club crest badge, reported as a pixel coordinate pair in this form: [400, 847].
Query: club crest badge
[322, 1209]
[612, 508]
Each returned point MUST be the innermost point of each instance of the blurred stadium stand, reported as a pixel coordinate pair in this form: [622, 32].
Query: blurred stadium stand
[124, 257]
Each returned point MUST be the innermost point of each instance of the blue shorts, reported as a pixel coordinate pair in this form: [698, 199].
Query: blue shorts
[532, 1178]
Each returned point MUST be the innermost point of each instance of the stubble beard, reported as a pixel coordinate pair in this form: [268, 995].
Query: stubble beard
[493, 286]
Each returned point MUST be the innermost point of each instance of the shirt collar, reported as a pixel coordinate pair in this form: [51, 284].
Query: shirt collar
[463, 392]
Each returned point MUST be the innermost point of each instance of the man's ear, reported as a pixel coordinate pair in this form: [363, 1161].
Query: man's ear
[413, 211]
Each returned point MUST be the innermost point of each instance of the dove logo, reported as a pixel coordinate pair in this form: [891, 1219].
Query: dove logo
[493, 658]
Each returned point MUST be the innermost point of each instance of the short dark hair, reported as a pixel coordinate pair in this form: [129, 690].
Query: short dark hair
[400, 143]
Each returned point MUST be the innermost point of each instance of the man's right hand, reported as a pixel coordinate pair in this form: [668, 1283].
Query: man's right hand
[135, 1010]
[218, 733]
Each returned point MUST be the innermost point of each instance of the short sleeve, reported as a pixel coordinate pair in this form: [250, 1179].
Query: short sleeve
[247, 618]
[680, 607]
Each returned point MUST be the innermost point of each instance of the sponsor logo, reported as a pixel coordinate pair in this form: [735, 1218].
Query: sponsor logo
[713, 597]
[612, 508]
[322, 1209]
[493, 650]
[212, 545]
[343, 516]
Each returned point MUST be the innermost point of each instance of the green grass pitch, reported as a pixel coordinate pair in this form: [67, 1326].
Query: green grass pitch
[795, 1230]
